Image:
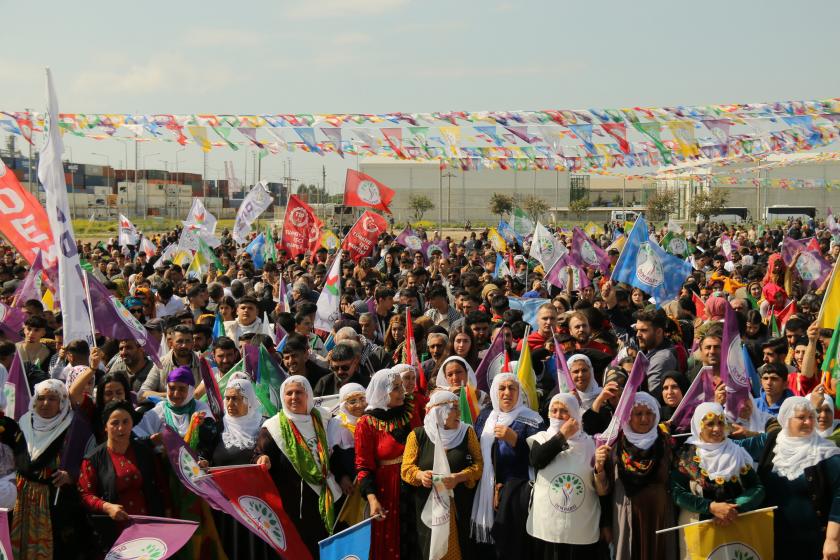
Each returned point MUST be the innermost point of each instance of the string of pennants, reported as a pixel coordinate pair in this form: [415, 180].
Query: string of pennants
[569, 140]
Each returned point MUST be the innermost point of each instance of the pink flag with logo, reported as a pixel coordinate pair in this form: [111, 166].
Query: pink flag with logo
[701, 390]
[588, 253]
[151, 537]
[733, 371]
[625, 402]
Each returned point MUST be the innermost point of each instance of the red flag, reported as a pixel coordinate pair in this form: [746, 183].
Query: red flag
[254, 495]
[814, 245]
[506, 365]
[300, 227]
[362, 237]
[785, 314]
[23, 220]
[411, 357]
[619, 132]
[699, 306]
[364, 190]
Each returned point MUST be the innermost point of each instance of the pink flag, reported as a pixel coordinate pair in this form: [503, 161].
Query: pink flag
[559, 274]
[18, 388]
[625, 402]
[588, 253]
[5, 541]
[811, 267]
[151, 537]
[495, 353]
[701, 390]
[733, 371]
[562, 367]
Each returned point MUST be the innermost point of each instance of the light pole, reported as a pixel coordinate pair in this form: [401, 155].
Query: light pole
[108, 163]
[73, 168]
[178, 151]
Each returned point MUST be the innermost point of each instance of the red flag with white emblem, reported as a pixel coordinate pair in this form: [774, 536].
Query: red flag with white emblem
[362, 237]
[364, 190]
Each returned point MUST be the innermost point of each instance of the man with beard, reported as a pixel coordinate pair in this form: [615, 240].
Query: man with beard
[650, 333]
[225, 355]
[181, 355]
[133, 363]
[436, 342]
[344, 365]
[296, 359]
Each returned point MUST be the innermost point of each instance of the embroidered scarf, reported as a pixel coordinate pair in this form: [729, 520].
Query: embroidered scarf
[300, 455]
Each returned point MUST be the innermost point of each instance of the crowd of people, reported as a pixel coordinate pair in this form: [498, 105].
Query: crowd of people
[356, 422]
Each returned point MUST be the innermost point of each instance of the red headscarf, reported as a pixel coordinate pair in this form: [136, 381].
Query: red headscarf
[770, 292]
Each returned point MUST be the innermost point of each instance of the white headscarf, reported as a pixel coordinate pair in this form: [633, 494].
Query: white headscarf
[794, 454]
[440, 380]
[724, 459]
[241, 431]
[588, 395]
[646, 440]
[826, 400]
[436, 413]
[482, 511]
[337, 433]
[41, 432]
[580, 440]
[380, 385]
[302, 421]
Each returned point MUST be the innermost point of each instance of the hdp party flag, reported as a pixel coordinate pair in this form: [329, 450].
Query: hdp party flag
[409, 239]
[251, 491]
[568, 267]
[588, 253]
[352, 543]
[676, 244]
[565, 383]
[362, 237]
[644, 265]
[496, 240]
[625, 402]
[256, 249]
[254, 204]
[749, 537]
[328, 302]
[812, 268]
[5, 540]
[702, 389]
[521, 223]
[525, 374]
[151, 537]
[364, 190]
[218, 327]
[545, 247]
[301, 228]
[211, 389]
[733, 372]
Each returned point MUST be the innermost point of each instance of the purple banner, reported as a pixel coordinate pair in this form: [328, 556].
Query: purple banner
[733, 372]
[151, 537]
[588, 253]
[559, 274]
[562, 368]
[812, 268]
[497, 348]
[625, 402]
[18, 388]
[701, 390]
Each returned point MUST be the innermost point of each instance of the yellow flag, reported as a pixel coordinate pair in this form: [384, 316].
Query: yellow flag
[497, 241]
[181, 258]
[593, 229]
[199, 134]
[751, 536]
[618, 243]
[329, 240]
[628, 227]
[526, 377]
[48, 301]
[830, 310]
[195, 269]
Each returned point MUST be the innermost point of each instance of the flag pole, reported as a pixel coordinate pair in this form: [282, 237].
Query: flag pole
[762, 510]
[89, 307]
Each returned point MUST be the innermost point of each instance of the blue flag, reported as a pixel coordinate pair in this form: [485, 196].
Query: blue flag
[350, 543]
[508, 232]
[218, 327]
[755, 382]
[645, 265]
[529, 307]
[255, 249]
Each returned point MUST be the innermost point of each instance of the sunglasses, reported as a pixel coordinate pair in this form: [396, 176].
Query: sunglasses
[342, 367]
[136, 310]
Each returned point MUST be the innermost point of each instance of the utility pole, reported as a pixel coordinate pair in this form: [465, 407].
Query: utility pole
[29, 161]
[440, 199]
[449, 176]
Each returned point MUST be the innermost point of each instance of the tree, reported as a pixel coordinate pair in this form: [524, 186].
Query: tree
[501, 204]
[579, 207]
[535, 206]
[420, 204]
[706, 203]
[660, 204]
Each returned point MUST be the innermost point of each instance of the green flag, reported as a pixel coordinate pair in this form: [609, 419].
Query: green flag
[267, 386]
[831, 363]
[521, 223]
[774, 327]
[269, 250]
[86, 265]
[675, 244]
[209, 254]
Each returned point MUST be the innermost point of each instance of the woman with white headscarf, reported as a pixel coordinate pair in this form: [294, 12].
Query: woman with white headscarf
[41, 527]
[341, 434]
[565, 508]
[800, 471]
[453, 473]
[827, 426]
[586, 387]
[293, 445]
[636, 470]
[455, 373]
[713, 477]
[380, 441]
[504, 429]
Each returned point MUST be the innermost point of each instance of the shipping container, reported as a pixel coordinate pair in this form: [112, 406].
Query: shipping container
[91, 169]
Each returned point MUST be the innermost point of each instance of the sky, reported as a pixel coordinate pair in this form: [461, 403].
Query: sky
[329, 56]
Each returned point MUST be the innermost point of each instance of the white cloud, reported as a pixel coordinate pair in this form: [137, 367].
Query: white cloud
[326, 9]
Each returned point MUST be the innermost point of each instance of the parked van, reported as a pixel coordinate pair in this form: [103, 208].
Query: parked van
[623, 216]
[781, 213]
[734, 215]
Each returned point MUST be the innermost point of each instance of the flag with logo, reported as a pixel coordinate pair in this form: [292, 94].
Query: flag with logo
[25, 223]
[270, 252]
[209, 255]
[409, 239]
[593, 229]
[567, 269]
[151, 537]
[254, 204]
[363, 190]
[252, 492]
[363, 236]
[644, 265]
[675, 243]
[521, 223]
[496, 241]
[12, 318]
[146, 246]
[749, 537]
[350, 544]
[545, 247]
[329, 240]
[812, 268]
[507, 232]
[328, 302]
[702, 389]
[625, 402]
[127, 232]
[588, 253]
[76, 323]
[199, 218]
[525, 374]
[733, 372]
[301, 228]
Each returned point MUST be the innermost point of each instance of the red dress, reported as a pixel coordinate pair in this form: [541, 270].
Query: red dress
[379, 447]
[129, 484]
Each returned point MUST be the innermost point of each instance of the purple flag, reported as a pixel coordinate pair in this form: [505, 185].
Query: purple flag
[113, 320]
[444, 246]
[252, 360]
[409, 239]
[496, 350]
[11, 322]
[588, 253]
[151, 537]
[211, 389]
[279, 332]
[812, 268]
[562, 366]
[559, 273]
[5, 540]
[728, 246]
[284, 298]
[17, 389]
[733, 372]
[76, 442]
[625, 402]
[28, 289]
[701, 390]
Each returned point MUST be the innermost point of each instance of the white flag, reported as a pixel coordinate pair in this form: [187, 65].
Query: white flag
[545, 247]
[75, 319]
[127, 232]
[168, 255]
[675, 227]
[148, 247]
[328, 302]
[199, 218]
[266, 327]
[254, 204]
[438, 507]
